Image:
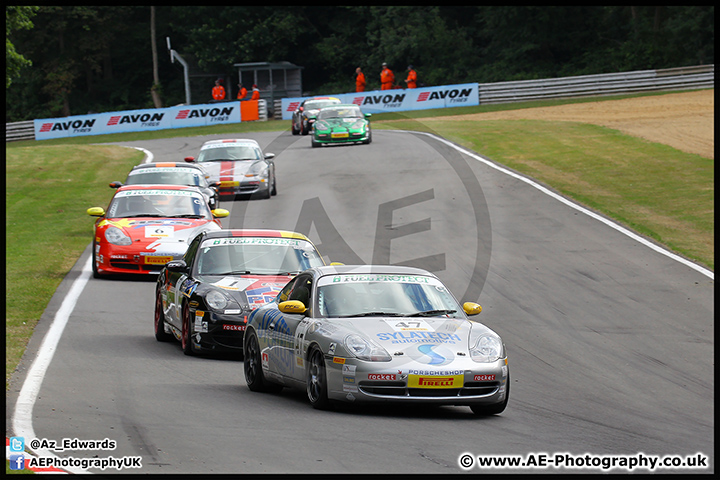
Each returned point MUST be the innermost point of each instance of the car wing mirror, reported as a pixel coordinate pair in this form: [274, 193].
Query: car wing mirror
[471, 308]
[292, 306]
[115, 185]
[220, 213]
[96, 212]
[189, 159]
[177, 266]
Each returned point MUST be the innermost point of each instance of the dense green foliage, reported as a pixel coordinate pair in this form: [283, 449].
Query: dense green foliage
[99, 58]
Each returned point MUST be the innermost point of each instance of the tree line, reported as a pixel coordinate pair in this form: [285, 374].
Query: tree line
[71, 60]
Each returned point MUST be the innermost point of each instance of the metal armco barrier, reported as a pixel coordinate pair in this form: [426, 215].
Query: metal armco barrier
[682, 78]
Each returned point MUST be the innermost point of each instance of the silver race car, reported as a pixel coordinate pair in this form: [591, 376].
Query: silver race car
[375, 333]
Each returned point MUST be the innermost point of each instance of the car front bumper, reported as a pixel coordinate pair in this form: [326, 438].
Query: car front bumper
[465, 382]
[228, 188]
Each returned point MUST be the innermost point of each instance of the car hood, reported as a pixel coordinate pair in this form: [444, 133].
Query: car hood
[409, 334]
[251, 290]
[161, 236]
[344, 124]
[229, 170]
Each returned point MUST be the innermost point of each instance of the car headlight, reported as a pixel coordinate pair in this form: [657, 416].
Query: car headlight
[321, 125]
[365, 350]
[216, 300]
[487, 349]
[255, 172]
[116, 236]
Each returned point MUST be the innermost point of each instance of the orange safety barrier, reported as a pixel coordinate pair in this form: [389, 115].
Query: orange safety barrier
[249, 110]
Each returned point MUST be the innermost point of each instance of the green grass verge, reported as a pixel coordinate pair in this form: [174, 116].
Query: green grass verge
[48, 189]
[660, 192]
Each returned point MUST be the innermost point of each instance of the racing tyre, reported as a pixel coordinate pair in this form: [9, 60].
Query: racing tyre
[186, 337]
[304, 128]
[294, 130]
[274, 187]
[485, 410]
[314, 143]
[317, 381]
[253, 367]
[160, 334]
[94, 264]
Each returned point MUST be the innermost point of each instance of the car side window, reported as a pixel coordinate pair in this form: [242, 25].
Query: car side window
[301, 290]
[284, 294]
[191, 252]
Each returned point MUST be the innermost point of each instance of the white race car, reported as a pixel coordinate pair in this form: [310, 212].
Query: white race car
[239, 167]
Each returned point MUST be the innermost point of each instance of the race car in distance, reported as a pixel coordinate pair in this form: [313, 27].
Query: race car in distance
[204, 299]
[375, 334]
[304, 116]
[146, 226]
[171, 173]
[238, 167]
[341, 124]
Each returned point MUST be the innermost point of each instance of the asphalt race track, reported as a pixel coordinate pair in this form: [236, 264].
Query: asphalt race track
[611, 348]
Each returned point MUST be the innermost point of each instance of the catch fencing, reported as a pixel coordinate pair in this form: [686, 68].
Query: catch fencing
[682, 78]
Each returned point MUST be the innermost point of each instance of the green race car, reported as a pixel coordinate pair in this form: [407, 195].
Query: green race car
[341, 124]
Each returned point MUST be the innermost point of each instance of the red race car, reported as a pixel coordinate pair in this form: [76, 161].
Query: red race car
[146, 226]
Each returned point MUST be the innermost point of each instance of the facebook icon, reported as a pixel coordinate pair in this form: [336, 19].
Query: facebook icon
[17, 462]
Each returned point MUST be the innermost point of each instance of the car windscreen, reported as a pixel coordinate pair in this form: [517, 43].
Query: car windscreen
[229, 152]
[317, 104]
[158, 203]
[328, 113]
[384, 295]
[166, 176]
[256, 255]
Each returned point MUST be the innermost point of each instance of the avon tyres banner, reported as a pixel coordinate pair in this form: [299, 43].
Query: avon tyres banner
[138, 120]
[397, 100]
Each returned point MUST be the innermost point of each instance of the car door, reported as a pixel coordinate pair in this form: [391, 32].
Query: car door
[180, 283]
[282, 330]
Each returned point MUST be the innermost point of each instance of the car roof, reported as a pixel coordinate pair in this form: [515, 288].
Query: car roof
[239, 141]
[168, 165]
[250, 232]
[371, 269]
[340, 105]
[125, 188]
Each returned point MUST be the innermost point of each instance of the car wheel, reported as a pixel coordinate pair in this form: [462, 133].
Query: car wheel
[293, 129]
[94, 265]
[304, 128]
[484, 410]
[317, 380]
[267, 193]
[314, 143]
[160, 334]
[274, 187]
[186, 337]
[254, 376]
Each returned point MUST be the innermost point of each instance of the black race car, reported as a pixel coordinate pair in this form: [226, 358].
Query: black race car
[304, 117]
[204, 299]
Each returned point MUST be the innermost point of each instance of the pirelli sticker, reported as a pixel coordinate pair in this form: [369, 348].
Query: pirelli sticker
[435, 381]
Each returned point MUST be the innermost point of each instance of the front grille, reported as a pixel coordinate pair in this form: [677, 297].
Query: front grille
[229, 339]
[399, 389]
[124, 264]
